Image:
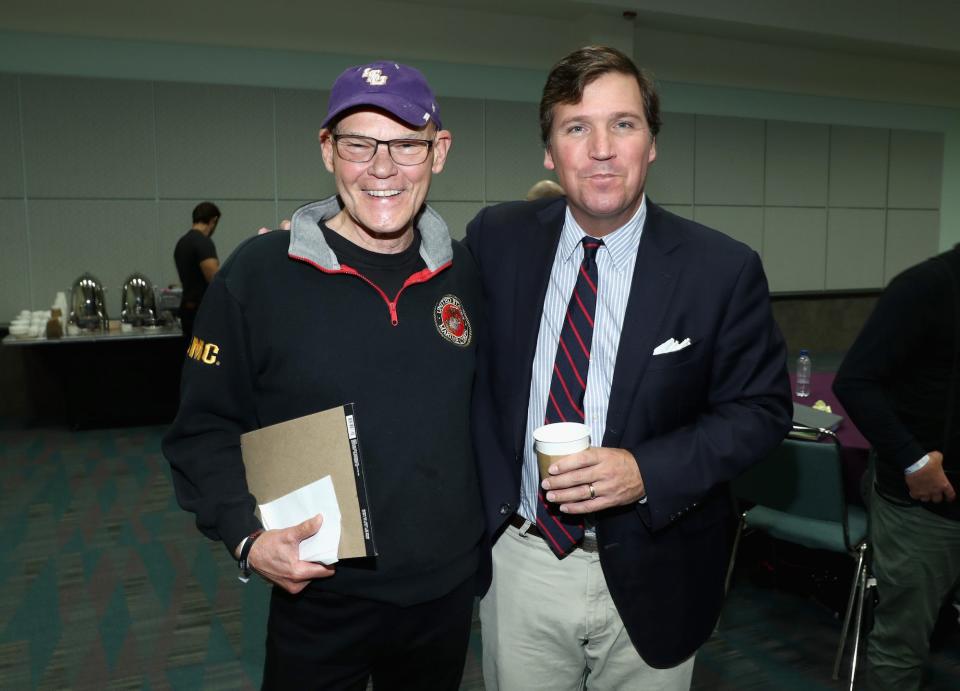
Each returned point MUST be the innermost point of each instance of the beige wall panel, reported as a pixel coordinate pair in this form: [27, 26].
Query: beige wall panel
[14, 262]
[241, 219]
[670, 179]
[729, 160]
[457, 215]
[680, 210]
[858, 166]
[855, 248]
[794, 248]
[912, 236]
[215, 142]
[110, 239]
[796, 164]
[513, 152]
[916, 169]
[288, 206]
[11, 159]
[89, 138]
[462, 176]
[743, 223]
[300, 169]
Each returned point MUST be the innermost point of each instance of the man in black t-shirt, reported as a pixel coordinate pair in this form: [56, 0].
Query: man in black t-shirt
[197, 263]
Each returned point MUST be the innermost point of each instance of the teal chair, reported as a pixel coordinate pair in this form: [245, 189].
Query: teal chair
[798, 496]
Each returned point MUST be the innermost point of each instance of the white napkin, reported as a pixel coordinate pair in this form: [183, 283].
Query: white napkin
[671, 346]
[304, 503]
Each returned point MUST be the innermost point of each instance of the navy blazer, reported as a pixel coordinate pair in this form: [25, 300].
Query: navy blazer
[693, 419]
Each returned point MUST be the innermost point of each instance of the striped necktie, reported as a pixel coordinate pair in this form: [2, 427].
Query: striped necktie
[567, 387]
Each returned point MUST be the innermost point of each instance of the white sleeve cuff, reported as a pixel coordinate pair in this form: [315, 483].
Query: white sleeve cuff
[919, 465]
[240, 546]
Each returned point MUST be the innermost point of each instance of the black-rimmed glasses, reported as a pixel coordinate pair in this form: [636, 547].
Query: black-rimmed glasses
[404, 152]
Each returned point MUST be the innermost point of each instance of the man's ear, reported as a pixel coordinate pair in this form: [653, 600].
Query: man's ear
[548, 159]
[441, 147]
[326, 147]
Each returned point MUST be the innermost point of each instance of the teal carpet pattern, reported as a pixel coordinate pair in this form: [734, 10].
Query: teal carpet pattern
[106, 583]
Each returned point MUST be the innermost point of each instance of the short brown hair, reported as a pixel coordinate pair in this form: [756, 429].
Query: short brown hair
[204, 212]
[570, 76]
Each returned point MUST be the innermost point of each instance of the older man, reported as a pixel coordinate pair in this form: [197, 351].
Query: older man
[367, 300]
[656, 333]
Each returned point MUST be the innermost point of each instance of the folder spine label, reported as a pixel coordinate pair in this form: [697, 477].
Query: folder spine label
[349, 417]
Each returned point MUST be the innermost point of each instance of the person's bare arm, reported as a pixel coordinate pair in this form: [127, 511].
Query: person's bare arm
[209, 267]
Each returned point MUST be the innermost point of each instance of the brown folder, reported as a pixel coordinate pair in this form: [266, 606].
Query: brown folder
[289, 455]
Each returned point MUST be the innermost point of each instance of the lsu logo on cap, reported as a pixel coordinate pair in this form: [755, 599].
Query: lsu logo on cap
[452, 322]
[374, 77]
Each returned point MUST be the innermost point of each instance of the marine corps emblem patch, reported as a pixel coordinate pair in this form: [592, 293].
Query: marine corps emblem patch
[451, 320]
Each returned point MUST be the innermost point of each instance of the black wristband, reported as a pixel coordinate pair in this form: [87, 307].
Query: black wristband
[245, 553]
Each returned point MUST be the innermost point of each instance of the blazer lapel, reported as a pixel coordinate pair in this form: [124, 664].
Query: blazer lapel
[652, 288]
[533, 277]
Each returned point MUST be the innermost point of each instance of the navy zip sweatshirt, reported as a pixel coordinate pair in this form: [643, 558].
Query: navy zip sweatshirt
[294, 332]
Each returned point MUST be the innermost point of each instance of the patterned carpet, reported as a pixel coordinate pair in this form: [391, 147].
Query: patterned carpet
[105, 583]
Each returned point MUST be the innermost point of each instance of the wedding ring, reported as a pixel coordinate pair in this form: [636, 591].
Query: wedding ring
[593, 493]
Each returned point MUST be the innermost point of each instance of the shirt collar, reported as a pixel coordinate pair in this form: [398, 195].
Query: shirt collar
[620, 244]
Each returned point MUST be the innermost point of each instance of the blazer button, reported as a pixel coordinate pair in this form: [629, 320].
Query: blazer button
[505, 509]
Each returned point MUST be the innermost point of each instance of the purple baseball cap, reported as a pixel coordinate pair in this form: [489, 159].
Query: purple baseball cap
[398, 89]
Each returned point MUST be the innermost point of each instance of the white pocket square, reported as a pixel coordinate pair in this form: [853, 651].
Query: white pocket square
[671, 345]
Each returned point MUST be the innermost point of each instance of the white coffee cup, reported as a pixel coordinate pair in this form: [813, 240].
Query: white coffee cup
[559, 439]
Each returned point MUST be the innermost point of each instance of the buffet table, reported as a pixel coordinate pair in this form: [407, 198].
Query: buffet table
[103, 379]
[139, 333]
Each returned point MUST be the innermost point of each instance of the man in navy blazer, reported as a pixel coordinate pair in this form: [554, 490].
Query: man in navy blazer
[686, 387]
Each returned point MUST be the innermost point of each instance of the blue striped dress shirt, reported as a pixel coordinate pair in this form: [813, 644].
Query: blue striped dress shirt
[615, 264]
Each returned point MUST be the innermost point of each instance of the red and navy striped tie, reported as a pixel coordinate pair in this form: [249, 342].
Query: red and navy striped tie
[565, 404]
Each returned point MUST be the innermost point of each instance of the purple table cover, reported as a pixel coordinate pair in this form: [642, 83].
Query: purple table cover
[856, 449]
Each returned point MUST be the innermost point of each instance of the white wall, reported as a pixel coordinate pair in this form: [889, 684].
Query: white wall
[265, 104]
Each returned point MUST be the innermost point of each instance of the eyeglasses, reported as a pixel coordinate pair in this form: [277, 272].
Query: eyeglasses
[404, 152]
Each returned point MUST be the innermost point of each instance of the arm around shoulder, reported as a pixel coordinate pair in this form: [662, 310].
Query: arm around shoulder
[209, 267]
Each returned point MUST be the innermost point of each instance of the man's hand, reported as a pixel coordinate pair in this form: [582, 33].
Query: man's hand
[276, 556]
[930, 483]
[613, 474]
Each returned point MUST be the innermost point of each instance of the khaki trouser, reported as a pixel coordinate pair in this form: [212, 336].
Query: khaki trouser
[916, 561]
[550, 625]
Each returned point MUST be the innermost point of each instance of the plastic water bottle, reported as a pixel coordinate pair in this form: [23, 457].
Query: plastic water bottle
[803, 374]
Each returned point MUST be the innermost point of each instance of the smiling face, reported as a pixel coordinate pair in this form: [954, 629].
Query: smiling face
[601, 149]
[381, 198]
